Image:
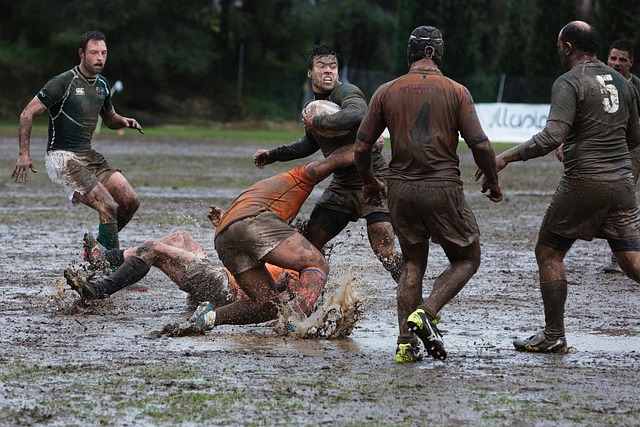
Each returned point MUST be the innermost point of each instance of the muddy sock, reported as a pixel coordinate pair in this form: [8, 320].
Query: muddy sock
[554, 296]
[108, 235]
[130, 272]
[115, 257]
[310, 287]
[394, 266]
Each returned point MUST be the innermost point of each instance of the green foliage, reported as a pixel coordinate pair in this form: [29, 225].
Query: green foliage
[231, 60]
[617, 19]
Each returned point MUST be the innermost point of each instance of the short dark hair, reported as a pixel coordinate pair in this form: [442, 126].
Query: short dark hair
[91, 35]
[321, 49]
[583, 39]
[622, 45]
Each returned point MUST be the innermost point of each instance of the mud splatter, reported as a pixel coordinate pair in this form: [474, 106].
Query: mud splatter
[336, 317]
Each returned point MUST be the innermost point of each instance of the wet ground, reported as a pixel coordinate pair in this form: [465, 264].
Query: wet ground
[61, 364]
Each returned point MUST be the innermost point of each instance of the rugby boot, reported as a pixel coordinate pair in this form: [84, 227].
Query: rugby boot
[204, 317]
[428, 332]
[86, 289]
[539, 343]
[94, 252]
[408, 353]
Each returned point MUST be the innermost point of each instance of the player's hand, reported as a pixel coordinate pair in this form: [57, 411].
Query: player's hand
[495, 191]
[133, 124]
[374, 193]
[262, 158]
[215, 214]
[560, 152]
[21, 171]
[501, 163]
[378, 146]
[307, 118]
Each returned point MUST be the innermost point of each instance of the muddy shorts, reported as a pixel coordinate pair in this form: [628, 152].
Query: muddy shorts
[244, 243]
[584, 209]
[204, 282]
[431, 210]
[77, 172]
[337, 207]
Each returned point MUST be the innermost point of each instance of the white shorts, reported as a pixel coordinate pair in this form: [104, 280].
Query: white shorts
[77, 172]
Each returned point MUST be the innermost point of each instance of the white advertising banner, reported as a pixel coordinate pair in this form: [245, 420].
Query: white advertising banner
[504, 122]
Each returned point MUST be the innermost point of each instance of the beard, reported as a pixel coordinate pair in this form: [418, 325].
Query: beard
[94, 69]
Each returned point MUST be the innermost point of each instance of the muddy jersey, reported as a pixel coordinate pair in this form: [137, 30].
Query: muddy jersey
[282, 194]
[353, 107]
[74, 103]
[424, 112]
[593, 110]
[635, 81]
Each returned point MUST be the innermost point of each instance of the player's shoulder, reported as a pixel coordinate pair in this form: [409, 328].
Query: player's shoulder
[102, 80]
[345, 90]
[64, 76]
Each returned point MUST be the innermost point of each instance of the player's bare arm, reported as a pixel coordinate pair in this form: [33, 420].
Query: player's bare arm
[34, 109]
[342, 157]
[114, 120]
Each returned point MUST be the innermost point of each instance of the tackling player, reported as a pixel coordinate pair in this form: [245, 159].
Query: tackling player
[341, 201]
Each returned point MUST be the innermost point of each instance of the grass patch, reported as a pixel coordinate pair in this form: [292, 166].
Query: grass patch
[262, 137]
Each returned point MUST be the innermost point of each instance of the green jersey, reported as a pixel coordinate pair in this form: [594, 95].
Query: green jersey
[74, 103]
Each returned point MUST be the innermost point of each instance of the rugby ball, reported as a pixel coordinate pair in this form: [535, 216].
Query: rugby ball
[322, 107]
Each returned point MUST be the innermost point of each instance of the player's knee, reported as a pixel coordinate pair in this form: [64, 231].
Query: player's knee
[147, 249]
[135, 202]
[312, 258]
[131, 204]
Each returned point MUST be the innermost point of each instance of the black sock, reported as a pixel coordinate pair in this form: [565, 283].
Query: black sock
[115, 257]
[554, 296]
[130, 272]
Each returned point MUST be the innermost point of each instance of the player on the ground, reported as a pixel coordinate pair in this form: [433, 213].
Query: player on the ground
[178, 256]
[255, 231]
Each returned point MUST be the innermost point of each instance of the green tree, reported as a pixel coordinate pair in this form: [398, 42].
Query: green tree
[617, 19]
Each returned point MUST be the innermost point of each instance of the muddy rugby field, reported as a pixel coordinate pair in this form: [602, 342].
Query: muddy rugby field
[63, 364]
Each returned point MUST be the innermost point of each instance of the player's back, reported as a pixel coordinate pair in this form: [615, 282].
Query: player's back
[425, 113]
[600, 100]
